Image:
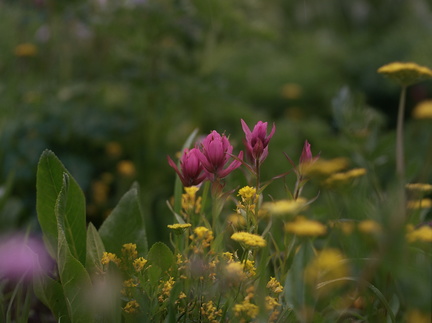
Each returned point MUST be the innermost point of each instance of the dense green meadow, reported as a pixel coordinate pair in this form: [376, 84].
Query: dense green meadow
[215, 161]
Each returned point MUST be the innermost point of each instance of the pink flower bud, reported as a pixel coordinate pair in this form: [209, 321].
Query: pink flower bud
[257, 141]
[191, 169]
[214, 155]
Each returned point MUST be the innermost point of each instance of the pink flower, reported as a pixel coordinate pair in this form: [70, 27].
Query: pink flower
[214, 155]
[191, 170]
[306, 155]
[257, 141]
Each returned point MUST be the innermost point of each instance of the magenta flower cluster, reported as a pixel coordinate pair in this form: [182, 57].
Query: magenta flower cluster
[209, 160]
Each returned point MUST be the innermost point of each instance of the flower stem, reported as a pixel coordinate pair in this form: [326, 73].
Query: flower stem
[400, 163]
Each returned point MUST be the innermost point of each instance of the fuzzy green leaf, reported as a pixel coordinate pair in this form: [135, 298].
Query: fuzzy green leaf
[95, 249]
[161, 256]
[49, 181]
[125, 224]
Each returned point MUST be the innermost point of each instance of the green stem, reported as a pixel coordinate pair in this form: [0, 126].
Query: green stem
[400, 163]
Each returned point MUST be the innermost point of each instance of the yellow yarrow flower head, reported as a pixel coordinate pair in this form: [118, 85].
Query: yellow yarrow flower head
[179, 228]
[324, 168]
[26, 50]
[406, 74]
[423, 110]
[249, 240]
[131, 307]
[369, 227]
[339, 179]
[425, 203]
[285, 207]
[236, 221]
[424, 233]
[419, 187]
[329, 264]
[108, 257]
[304, 227]
[247, 194]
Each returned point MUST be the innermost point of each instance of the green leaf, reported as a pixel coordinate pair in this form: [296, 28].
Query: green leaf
[125, 224]
[161, 256]
[49, 181]
[75, 281]
[50, 293]
[95, 250]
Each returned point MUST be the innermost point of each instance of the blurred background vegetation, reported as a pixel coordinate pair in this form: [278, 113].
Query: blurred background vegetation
[112, 87]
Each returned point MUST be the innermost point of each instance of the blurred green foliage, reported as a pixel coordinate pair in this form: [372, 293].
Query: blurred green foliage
[101, 82]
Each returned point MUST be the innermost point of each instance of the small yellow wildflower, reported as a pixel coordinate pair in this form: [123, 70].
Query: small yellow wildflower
[344, 178]
[26, 50]
[369, 226]
[425, 203]
[406, 73]
[291, 91]
[246, 309]
[236, 220]
[247, 194]
[130, 283]
[249, 240]
[322, 167]
[126, 168]
[210, 312]
[329, 264]
[229, 256]
[304, 227]
[139, 264]
[202, 238]
[113, 149]
[234, 272]
[131, 307]
[271, 303]
[424, 233]
[191, 204]
[284, 207]
[274, 286]
[419, 187]
[417, 316]
[129, 251]
[166, 287]
[179, 228]
[108, 257]
[249, 268]
[423, 110]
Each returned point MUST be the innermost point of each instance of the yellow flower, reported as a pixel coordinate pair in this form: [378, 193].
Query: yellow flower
[26, 50]
[406, 73]
[424, 233]
[344, 178]
[236, 220]
[322, 167]
[249, 240]
[274, 286]
[417, 316]
[130, 283]
[129, 251]
[246, 308]
[234, 272]
[202, 238]
[304, 227]
[271, 303]
[166, 287]
[131, 307]
[139, 264]
[191, 204]
[329, 264]
[425, 203]
[179, 228]
[369, 226]
[108, 257]
[284, 207]
[113, 149]
[126, 168]
[210, 312]
[423, 110]
[419, 187]
[247, 193]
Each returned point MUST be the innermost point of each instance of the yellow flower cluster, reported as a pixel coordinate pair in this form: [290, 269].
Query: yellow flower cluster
[139, 264]
[285, 207]
[345, 177]
[190, 203]
[328, 265]
[274, 286]
[210, 312]
[246, 308]
[108, 257]
[322, 167]
[249, 199]
[166, 287]
[425, 203]
[424, 233]
[369, 226]
[236, 220]
[202, 238]
[131, 307]
[129, 251]
[179, 228]
[249, 240]
[419, 187]
[406, 73]
[423, 110]
[304, 227]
